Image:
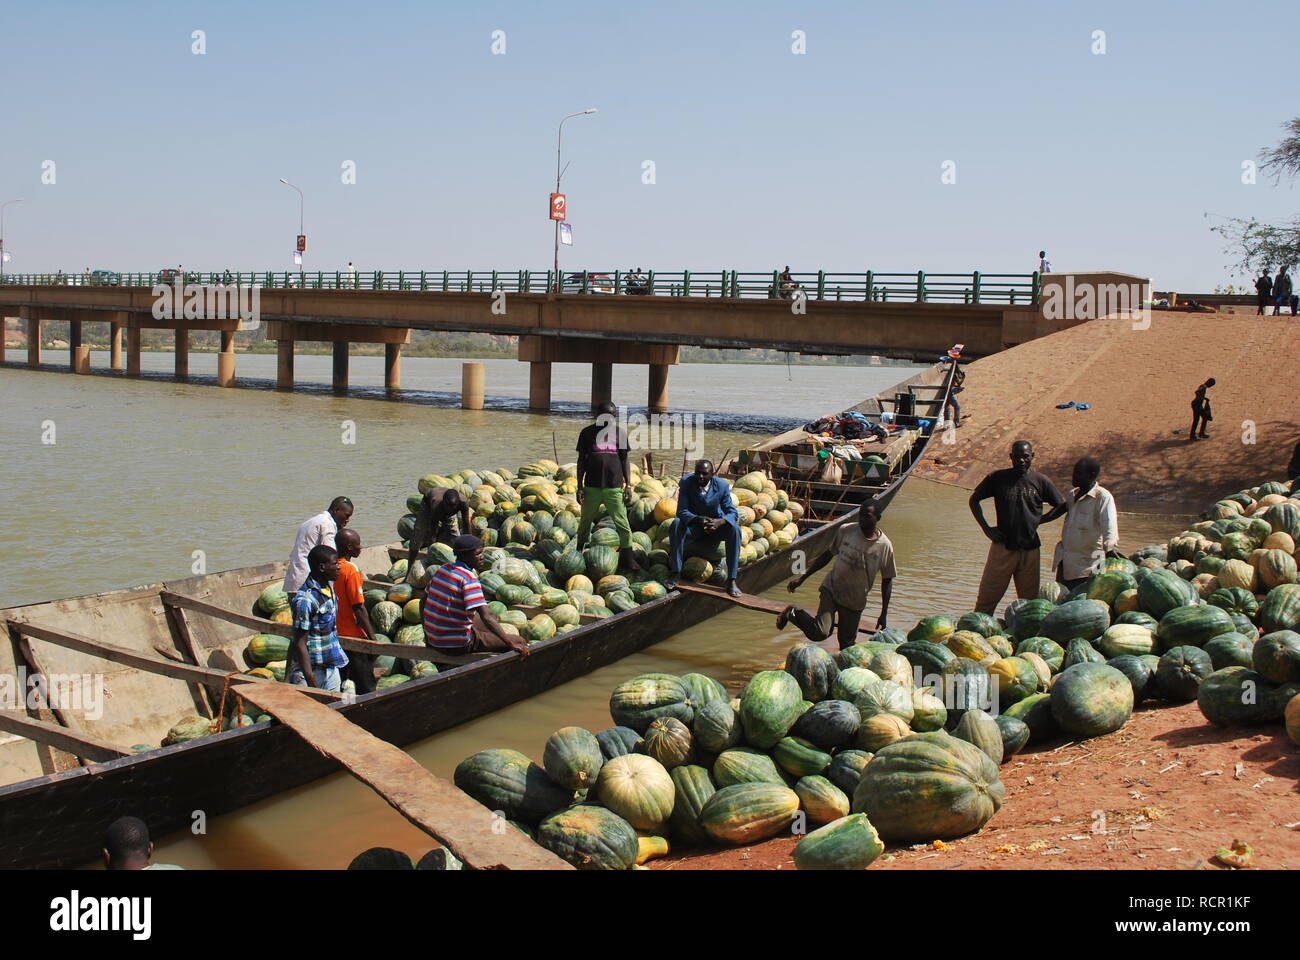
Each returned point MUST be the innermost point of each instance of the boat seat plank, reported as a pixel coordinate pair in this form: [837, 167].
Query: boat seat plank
[406, 651]
[260, 624]
[61, 738]
[467, 828]
[212, 678]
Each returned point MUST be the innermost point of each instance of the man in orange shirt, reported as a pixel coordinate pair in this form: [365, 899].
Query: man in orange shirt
[353, 620]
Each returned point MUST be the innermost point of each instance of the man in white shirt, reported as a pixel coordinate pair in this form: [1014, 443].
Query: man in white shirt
[1044, 265]
[1091, 530]
[315, 531]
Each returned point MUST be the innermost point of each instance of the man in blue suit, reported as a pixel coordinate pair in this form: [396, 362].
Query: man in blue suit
[706, 514]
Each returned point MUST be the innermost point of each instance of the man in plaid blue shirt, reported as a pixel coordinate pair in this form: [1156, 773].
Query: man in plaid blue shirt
[315, 655]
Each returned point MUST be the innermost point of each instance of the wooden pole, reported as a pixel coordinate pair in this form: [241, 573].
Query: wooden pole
[284, 365]
[392, 366]
[182, 353]
[133, 351]
[341, 366]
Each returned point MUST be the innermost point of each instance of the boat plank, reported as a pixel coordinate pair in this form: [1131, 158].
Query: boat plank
[260, 624]
[406, 651]
[746, 600]
[197, 690]
[464, 826]
[51, 734]
[215, 679]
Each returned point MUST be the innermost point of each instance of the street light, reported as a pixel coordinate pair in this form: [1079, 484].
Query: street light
[2, 231]
[558, 137]
[300, 230]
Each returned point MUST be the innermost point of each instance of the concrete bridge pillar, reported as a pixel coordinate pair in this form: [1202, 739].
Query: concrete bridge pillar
[182, 353]
[33, 341]
[471, 385]
[657, 396]
[226, 360]
[78, 353]
[539, 385]
[392, 367]
[133, 351]
[602, 383]
[284, 365]
[115, 345]
[340, 366]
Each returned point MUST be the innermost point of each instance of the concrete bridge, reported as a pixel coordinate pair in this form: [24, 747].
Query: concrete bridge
[552, 328]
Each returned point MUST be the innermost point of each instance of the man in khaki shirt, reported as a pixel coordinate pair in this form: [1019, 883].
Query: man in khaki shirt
[861, 551]
[1091, 530]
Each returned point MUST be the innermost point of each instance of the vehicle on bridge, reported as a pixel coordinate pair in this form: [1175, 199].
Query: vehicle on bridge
[105, 278]
[587, 283]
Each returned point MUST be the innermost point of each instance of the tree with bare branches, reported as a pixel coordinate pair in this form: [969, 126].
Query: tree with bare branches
[1265, 245]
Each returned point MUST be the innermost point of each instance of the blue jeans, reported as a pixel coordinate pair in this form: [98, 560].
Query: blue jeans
[679, 533]
[327, 677]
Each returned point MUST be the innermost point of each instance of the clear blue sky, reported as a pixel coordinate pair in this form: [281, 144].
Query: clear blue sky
[829, 159]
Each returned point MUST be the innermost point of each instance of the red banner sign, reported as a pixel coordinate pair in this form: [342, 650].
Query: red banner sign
[559, 206]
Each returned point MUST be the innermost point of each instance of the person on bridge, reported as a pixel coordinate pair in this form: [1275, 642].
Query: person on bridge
[1201, 412]
[1044, 265]
[786, 284]
[315, 657]
[440, 507]
[316, 531]
[1090, 533]
[861, 552]
[707, 515]
[1264, 287]
[603, 479]
[353, 620]
[1018, 495]
[456, 614]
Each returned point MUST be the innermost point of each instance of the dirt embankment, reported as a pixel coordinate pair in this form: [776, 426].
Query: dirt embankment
[1164, 792]
[1140, 385]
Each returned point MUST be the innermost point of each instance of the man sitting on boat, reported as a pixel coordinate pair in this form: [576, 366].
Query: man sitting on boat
[433, 522]
[705, 514]
[315, 656]
[315, 532]
[127, 847]
[456, 615]
[861, 551]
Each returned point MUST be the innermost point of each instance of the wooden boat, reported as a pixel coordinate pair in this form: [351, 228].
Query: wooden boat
[914, 406]
[163, 651]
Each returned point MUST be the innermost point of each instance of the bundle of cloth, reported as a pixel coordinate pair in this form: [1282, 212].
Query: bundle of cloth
[849, 425]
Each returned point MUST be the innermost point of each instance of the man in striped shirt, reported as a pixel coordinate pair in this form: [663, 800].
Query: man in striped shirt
[456, 616]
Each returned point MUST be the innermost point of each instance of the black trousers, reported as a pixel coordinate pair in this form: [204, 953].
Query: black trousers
[818, 628]
[361, 671]
[1199, 415]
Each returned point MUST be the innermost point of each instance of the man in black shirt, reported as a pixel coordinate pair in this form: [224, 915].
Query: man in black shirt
[1264, 287]
[1201, 411]
[1018, 495]
[603, 478]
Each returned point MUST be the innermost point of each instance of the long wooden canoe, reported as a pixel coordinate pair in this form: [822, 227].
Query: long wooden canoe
[163, 651]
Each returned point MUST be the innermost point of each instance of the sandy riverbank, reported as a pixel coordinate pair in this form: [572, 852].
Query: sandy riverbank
[1140, 385]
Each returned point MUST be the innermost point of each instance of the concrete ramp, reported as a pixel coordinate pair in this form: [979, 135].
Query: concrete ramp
[462, 825]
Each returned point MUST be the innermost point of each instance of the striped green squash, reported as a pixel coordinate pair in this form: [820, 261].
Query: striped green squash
[821, 799]
[850, 843]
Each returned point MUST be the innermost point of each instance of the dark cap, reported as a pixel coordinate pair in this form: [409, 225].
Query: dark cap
[466, 543]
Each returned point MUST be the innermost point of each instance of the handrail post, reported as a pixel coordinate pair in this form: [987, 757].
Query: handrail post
[920, 286]
[650, 283]
[821, 285]
[975, 287]
[1034, 289]
[870, 293]
[686, 283]
[445, 279]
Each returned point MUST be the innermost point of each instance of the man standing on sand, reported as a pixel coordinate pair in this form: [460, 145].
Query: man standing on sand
[1018, 495]
[1282, 292]
[1201, 411]
[353, 620]
[861, 551]
[315, 532]
[603, 479]
[1091, 529]
[1264, 287]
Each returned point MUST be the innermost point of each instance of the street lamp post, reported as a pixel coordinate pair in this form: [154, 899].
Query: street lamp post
[2, 232]
[300, 230]
[558, 173]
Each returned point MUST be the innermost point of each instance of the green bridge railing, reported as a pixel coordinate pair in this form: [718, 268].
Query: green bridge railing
[918, 287]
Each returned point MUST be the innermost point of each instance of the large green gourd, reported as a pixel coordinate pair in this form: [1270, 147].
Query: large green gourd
[590, 838]
[850, 843]
[618, 741]
[642, 699]
[573, 758]
[1181, 671]
[1015, 734]
[1235, 697]
[830, 724]
[749, 812]
[1091, 700]
[929, 786]
[1230, 650]
[638, 789]
[769, 707]
[1127, 639]
[1086, 619]
[693, 786]
[1026, 616]
[1081, 651]
[744, 765]
[716, 727]
[800, 758]
[978, 728]
[669, 741]
[813, 669]
[508, 781]
[1036, 713]
[1161, 591]
[1281, 609]
[821, 799]
[1192, 626]
[1276, 656]
[846, 769]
